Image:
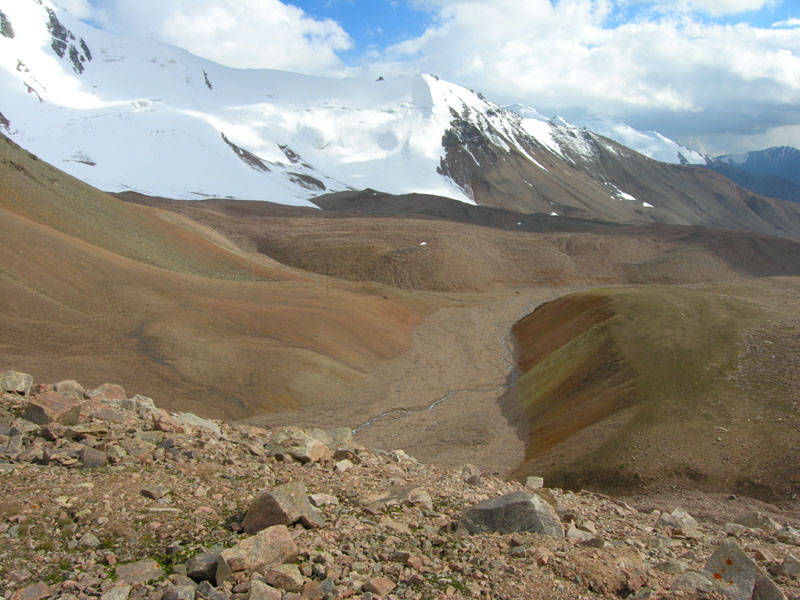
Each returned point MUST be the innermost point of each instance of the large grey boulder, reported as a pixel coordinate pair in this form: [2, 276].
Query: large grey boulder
[738, 576]
[733, 570]
[513, 513]
[16, 382]
[285, 505]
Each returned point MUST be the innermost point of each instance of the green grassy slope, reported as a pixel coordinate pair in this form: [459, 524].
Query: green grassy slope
[626, 388]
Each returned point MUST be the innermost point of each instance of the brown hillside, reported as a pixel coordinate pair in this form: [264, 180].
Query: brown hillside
[111, 291]
[650, 386]
[488, 251]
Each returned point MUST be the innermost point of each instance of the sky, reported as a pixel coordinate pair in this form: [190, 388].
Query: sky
[720, 76]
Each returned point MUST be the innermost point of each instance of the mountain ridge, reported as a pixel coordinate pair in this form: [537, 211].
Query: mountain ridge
[135, 115]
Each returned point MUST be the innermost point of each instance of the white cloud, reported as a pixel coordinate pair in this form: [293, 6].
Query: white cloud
[567, 58]
[238, 33]
[709, 7]
[735, 143]
[787, 23]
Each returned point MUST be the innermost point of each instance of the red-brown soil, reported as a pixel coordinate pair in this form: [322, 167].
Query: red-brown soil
[282, 315]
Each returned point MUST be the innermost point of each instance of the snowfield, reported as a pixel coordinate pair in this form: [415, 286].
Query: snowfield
[125, 113]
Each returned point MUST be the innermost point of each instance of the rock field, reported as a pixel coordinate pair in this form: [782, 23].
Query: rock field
[106, 496]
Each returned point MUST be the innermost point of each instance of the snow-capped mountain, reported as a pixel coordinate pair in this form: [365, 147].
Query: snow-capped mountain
[649, 143]
[780, 161]
[125, 113]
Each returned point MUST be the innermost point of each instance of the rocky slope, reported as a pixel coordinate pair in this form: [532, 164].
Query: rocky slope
[109, 496]
[765, 184]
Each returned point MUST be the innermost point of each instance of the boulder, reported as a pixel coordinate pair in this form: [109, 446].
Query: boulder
[101, 412]
[16, 383]
[765, 588]
[680, 522]
[343, 466]
[206, 591]
[35, 591]
[108, 393]
[790, 567]
[179, 592]
[70, 387]
[323, 437]
[379, 585]
[534, 483]
[141, 405]
[696, 581]
[92, 459]
[300, 446]
[402, 495]
[119, 591]
[738, 576]
[285, 505]
[320, 590]
[342, 438]
[50, 407]
[140, 572]
[471, 474]
[285, 577]
[261, 591]
[320, 500]
[788, 535]
[271, 546]
[193, 420]
[757, 520]
[512, 513]
[203, 567]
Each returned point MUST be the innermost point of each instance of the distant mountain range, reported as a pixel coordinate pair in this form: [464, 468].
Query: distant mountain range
[774, 172]
[129, 114]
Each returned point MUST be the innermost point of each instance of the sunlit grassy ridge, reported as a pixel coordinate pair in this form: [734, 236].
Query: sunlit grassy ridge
[630, 386]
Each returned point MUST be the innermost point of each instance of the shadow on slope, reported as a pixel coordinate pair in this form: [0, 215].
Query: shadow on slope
[652, 387]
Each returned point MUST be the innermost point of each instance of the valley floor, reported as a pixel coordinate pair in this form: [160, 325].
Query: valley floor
[450, 398]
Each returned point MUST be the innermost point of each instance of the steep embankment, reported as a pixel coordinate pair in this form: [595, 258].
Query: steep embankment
[112, 291]
[652, 386]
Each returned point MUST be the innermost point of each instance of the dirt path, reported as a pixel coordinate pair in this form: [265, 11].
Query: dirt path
[450, 398]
